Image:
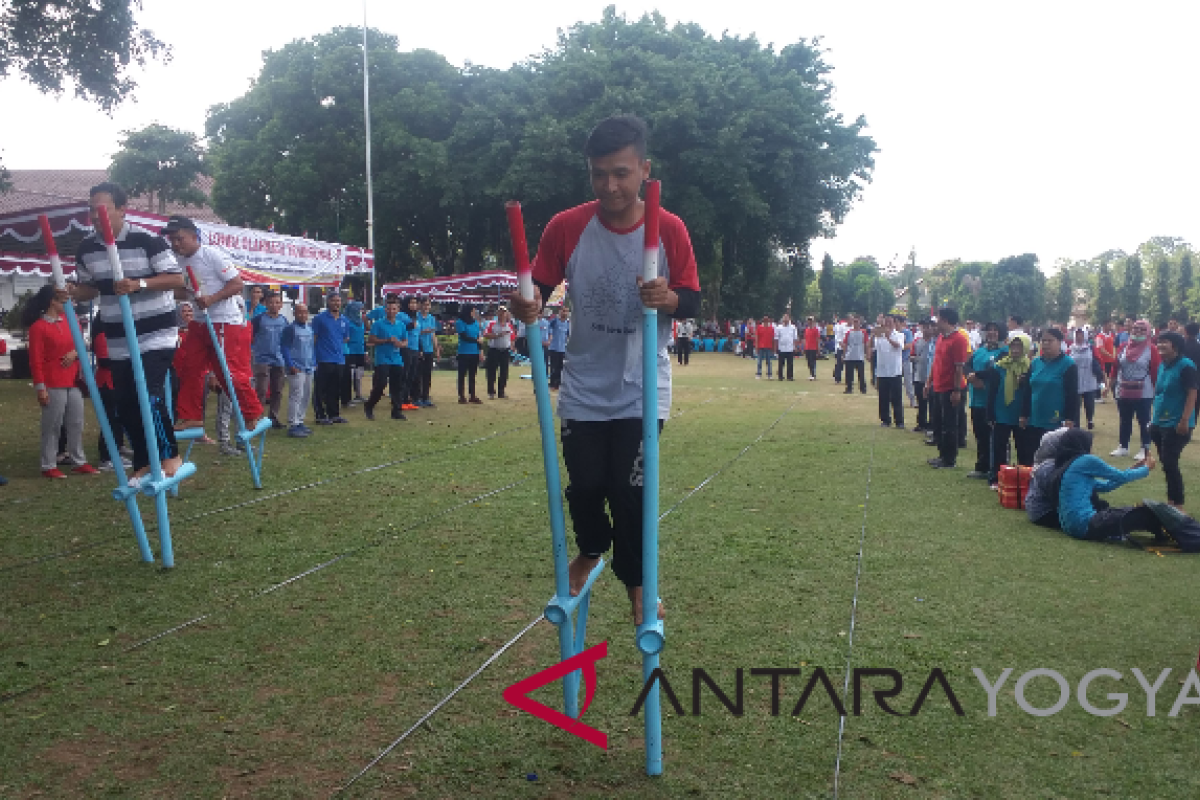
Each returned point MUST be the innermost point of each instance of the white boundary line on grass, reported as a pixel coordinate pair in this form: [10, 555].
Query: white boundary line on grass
[862, 538]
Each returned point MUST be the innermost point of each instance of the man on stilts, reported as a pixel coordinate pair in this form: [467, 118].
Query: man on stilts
[598, 248]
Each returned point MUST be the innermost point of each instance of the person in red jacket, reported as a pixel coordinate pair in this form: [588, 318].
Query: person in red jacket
[764, 335]
[812, 346]
[104, 383]
[54, 367]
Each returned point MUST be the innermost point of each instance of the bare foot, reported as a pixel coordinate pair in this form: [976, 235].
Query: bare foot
[581, 567]
[171, 466]
[635, 597]
[184, 424]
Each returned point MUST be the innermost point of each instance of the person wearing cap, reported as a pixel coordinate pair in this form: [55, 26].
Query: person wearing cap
[220, 295]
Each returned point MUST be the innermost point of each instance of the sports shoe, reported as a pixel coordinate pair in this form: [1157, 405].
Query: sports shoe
[501, 395]
[227, 449]
[125, 450]
[491, 395]
[933, 461]
[105, 466]
[476, 401]
[323, 421]
[937, 463]
[1120, 451]
[812, 377]
[369, 411]
[296, 432]
[339, 420]
[1139, 457]
[276, 424]
[462, 400]
[399, 415]
[410, 407]
[758, 377]
[977, 474]
[63, 459]
[885, 424]
[1091, 426]
[995, 487]
[53, 473]
[305, 428]
[899, 427]
[85, 469]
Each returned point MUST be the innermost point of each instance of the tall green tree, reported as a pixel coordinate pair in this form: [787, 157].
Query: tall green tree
[1014, 285]
[1064, 297]
[1131, 290]
[829, 300]
[1184, 285]
[1106, 294]
[1161, 307]
[161, 163]
[800, 274]
[913, 290]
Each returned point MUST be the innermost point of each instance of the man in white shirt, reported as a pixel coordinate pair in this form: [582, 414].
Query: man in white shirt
[785, 344]
[889, 373]
[975, 334]
[685, 329]
[220, 294]
[839, 341]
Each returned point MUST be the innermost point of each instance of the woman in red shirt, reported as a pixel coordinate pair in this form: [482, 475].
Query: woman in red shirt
[812, 347]
[54, 366]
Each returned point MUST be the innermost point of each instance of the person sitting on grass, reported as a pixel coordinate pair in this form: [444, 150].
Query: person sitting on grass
[1174, 415]
[1064, 491]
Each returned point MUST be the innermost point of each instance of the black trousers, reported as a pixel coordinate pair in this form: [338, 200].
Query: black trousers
[1121, 521]
[790, 360]
[983, 440]
[683, 348]
[385, 376]
[837, 366]
[922, 405]
[1087, 401]
[947, 427]
[412, 375]
[604, 467]
[851, 367]
[891, 399]
[961, 415]
[154, 367]
[425, 375]
[109, 398]
[811, 357]
[468, 365]
[522, 345]
[1170, 446]
[327, 390]
[556, 367]
[1025, 442]
[497, 365]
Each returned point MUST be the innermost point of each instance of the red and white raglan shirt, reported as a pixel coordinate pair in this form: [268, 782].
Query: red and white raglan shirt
[602, 377]
[503, 342]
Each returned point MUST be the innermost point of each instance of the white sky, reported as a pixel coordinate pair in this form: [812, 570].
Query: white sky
[1059, 128]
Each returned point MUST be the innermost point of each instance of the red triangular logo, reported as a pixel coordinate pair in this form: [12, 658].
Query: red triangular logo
[518, 694]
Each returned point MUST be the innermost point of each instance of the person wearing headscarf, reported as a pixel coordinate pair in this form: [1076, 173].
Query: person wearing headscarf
[1137, 372]
[355, 350]
[1051, 395]
[1090, 373]
[1004, 379]
[1174, 415]
[467, 328]
[981, 358]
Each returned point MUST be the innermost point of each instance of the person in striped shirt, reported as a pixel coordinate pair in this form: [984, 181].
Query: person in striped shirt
[151, 277]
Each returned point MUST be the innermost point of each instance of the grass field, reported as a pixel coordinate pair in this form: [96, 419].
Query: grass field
[290, 692]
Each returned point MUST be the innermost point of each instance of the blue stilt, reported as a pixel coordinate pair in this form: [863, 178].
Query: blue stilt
[562, 607]
[89, 379]
[650, 635]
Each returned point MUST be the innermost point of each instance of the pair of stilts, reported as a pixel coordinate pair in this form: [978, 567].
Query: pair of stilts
[569, 612]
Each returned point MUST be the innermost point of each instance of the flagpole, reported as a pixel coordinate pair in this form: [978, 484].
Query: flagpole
[367, 118]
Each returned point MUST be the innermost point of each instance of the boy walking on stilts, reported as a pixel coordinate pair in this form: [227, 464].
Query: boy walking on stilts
[598, 249]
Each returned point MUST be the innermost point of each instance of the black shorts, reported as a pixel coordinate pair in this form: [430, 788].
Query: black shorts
[356, 360]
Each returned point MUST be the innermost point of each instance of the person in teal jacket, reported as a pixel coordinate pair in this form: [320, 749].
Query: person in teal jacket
[1051, 397]
[1004, 379]
[1174, 415]
[981, 359]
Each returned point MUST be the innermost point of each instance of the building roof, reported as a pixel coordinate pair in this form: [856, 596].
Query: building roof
[38, 188]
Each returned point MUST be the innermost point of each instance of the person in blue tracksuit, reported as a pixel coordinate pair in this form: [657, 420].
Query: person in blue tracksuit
[389, 336]
[329, 335]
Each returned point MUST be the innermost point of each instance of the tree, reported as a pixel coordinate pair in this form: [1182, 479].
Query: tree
[1184, 285]
[1106, 295]
[799, 273]
[1131, 290]
[828, 300]
[1160, 309]
[1064, 298]
[90, 44]
[162, 163]
[913, 290]
[1014, 285]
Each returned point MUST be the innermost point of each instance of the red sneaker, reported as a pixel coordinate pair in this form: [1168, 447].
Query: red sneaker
[410, 407]
[86, 469]
[52, 473]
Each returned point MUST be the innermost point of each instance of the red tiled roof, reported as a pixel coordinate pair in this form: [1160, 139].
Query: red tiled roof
[37, 188]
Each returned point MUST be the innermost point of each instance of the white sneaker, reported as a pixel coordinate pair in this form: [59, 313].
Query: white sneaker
[1140, 457]
[1120, 451]
[105, 466]
[811, 378]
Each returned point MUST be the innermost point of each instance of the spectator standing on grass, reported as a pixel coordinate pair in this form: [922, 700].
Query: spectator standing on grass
[268, 360]
[356, 354]
[1174, 416]
[409, 311]
[1051, 397]
[764, 345]
[499, 334]
[1134, 386]
[256, 305]
[388, 336]
[855, 345]
[921, 362]
[430, 350]
[467, 328]
[1005, 380]
[1191, 342]
[558, 336]
[54, 368]
[786, 337]
[904, 330]
[329, 337]
[812, 346]
[296, 346]
[982, 358]
[889, 373]
[945, 386]
[684, 331]
[1090, 374]
[1106, 351]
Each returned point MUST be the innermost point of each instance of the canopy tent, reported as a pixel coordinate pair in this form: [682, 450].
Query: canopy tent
[262, 257]
[474, 287]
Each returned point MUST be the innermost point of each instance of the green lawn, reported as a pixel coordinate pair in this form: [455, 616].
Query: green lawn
[289, 693]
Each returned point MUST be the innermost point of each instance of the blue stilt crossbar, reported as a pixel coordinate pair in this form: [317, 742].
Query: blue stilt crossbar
[571, 634]
[650, 635]
[89, 378]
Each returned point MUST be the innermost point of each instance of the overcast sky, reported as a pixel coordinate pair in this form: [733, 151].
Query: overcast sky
[1058, 128]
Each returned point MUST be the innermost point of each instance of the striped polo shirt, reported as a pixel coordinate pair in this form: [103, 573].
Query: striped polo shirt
[143, 255]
